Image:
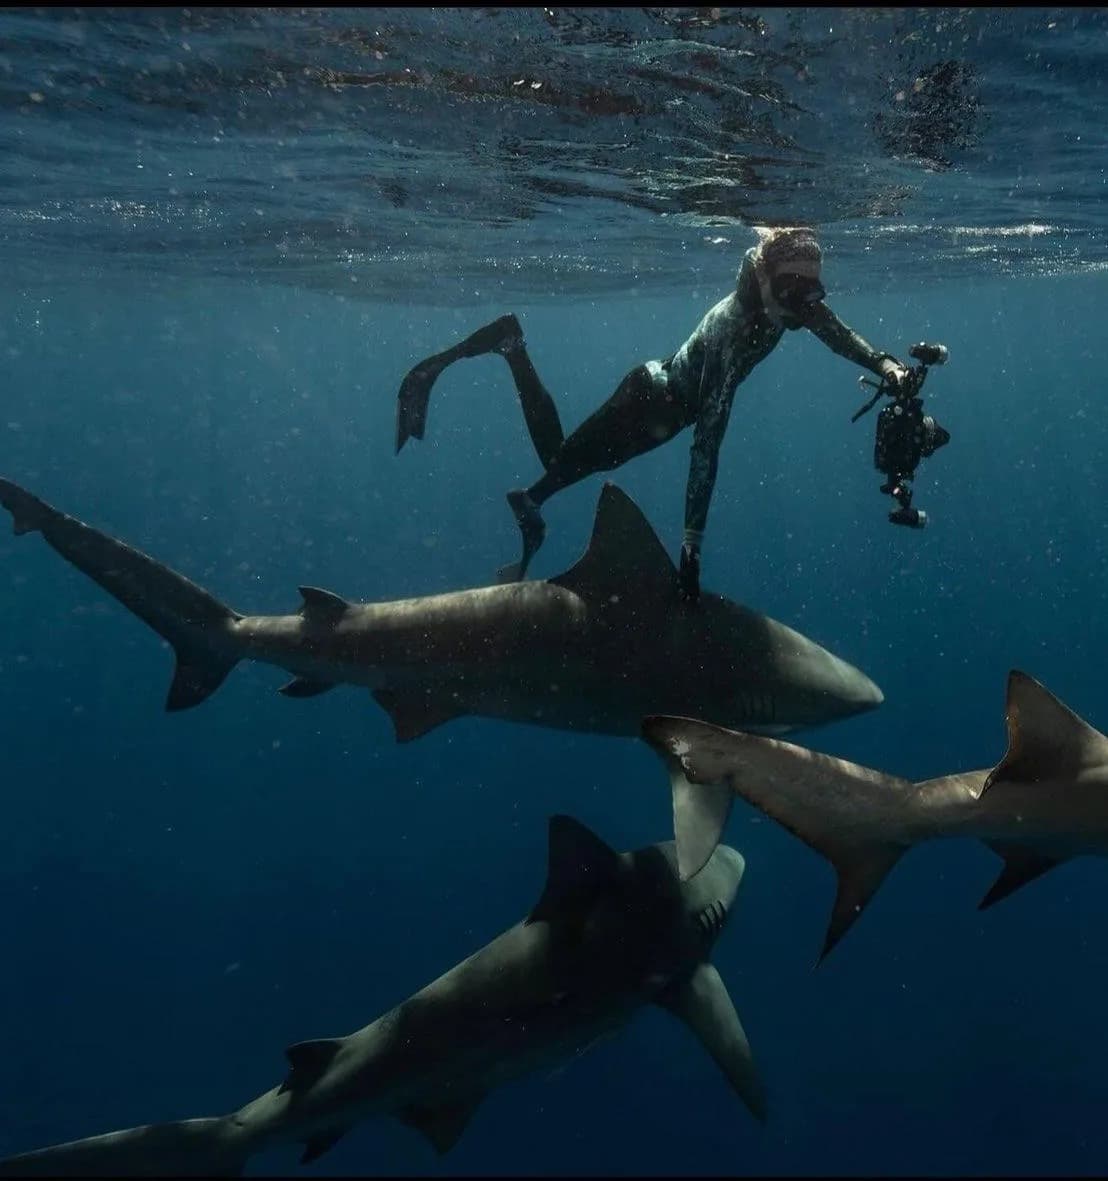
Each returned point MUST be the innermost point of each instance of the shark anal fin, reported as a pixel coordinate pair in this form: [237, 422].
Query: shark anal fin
[579, 864]
[1046, 739]
[861, 870]
[416, 712]
[442, 1124]
[624, 558]
[1021, 865]
[323, 1142]
[323, 605]
[304, 687]
[703, 1003]
[309, 1062]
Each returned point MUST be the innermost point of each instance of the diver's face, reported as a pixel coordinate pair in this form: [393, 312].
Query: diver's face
[796, 290]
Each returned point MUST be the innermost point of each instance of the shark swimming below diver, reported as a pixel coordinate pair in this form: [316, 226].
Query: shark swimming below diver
[595, 648]
[1045, 802]
[611, 932]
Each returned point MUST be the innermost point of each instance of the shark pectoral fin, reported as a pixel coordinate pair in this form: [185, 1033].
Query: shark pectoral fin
[861, 870]
[323, 606]
[309, 1062]
[624, 561]
[579, 864]
[703, 1003]
[443, 1123]
[700, 813]
[303, 687]
[1046, 739]
[417, 711]
[1021, 865]
[317, 1145]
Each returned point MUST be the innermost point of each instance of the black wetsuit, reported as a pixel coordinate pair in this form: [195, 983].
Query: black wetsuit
[695, 386]
[654, 401]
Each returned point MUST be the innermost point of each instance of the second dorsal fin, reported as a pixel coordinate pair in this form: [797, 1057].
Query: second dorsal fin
[321, 604]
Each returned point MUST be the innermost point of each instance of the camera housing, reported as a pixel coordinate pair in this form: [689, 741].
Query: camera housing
[904, 434]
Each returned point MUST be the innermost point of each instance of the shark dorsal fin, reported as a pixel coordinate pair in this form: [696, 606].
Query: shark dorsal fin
[624, 556]
[441, 1123]
[1046, 739]
[703, 1003]
[579, 864]
[309, 1062]
[322, 605]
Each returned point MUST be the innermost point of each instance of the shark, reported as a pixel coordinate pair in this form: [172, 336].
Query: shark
[1043, 803]
[611, 933]
[595, 648]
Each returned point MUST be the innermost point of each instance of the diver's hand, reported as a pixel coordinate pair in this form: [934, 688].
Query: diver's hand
[893, 373]
[688, 577]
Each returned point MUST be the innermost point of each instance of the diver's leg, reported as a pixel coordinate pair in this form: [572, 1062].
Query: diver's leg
[539, 412]
[502, 336]
[638, 417]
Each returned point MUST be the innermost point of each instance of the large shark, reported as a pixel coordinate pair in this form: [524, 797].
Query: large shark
[611, 932]
[596, 648]
[1044, 802]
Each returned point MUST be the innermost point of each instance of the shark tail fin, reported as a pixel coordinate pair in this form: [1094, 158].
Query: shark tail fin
[850, 814]
[195, 623]
[187, 1148]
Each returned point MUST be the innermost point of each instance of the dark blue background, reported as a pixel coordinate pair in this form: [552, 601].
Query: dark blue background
[187, 894]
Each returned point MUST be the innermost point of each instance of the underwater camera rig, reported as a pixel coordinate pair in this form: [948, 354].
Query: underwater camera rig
[905, 435]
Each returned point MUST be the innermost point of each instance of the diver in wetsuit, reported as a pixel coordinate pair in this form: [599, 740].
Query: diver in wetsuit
[778, 288]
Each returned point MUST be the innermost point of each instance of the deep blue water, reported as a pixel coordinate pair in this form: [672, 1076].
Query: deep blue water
[187, 894]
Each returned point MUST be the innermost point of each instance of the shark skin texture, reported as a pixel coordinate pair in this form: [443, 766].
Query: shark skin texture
[611, 933]
[1044, 802]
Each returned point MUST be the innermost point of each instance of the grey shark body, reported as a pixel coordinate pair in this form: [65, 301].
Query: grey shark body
[596, 648]
[1045, 802]
[611, 933]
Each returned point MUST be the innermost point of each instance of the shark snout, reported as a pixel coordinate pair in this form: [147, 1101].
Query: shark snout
[717, 884]
[847, 690]
[870, 695]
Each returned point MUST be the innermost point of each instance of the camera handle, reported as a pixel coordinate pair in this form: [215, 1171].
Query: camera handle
[926, 354]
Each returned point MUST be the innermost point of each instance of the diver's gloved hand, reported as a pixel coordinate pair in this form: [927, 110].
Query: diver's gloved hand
[688, 576]
[893, 373]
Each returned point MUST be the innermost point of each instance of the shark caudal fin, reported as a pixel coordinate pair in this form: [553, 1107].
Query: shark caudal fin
[1047, 742]
[187, 1148]
[188, 617]
[850, 814]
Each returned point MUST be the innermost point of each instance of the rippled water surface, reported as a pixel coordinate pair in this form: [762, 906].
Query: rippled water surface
[450, 154]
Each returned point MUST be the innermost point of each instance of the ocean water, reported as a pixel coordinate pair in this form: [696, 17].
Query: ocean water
[226, 236]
